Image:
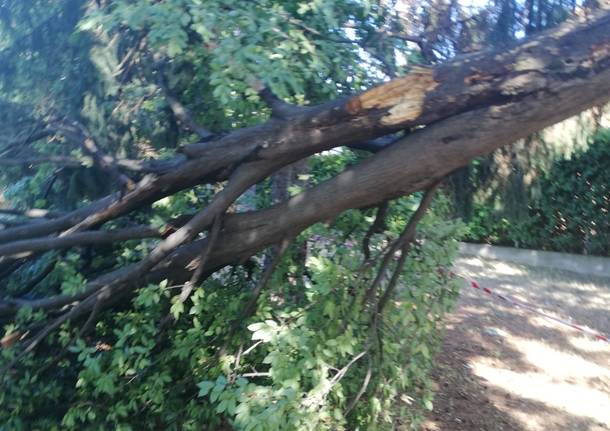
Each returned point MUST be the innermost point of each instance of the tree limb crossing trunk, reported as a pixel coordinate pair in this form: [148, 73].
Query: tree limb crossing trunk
[469, 106]
[564, 87]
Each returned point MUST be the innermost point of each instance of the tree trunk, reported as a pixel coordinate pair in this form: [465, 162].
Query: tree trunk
[469, 107]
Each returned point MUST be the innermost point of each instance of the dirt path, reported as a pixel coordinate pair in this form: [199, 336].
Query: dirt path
[504, 368]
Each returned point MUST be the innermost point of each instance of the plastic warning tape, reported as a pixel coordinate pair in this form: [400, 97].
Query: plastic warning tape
[521, 304]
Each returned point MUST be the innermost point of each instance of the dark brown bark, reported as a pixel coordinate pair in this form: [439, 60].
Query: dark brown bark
[18, 249]
[76, 132]
[543, 64]
[55, 225]
[470, 107]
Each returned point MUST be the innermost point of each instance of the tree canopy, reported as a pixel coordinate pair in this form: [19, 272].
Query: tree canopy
[213, 210]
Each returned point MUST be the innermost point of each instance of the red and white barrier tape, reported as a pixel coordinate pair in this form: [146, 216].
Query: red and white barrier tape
[517, 303]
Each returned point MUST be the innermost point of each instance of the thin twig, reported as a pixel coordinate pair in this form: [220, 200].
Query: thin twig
[318, 398]
[205, 254]
[255, 375]
[46, 331]
[182, 113]
[188, 287]
[376, 227]
[40, 276]
[406, 236]
[407, 239]
[365, 384]
[252, 347]
[92, 317]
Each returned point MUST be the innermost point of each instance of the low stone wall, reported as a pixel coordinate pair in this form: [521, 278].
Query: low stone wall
[589, 265]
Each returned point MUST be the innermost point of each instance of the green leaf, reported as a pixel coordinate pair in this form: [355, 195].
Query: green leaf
[205, 387]
[221, 406]
[177, 309]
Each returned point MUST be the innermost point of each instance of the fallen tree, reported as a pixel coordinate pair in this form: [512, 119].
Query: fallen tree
[506, 95]
[438, 118]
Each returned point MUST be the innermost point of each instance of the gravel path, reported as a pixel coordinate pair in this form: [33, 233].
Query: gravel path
[505, 368]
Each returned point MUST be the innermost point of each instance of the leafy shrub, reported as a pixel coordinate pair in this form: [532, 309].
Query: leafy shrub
[570, 214]
[311, 350]
[313, 347]
[573, 208]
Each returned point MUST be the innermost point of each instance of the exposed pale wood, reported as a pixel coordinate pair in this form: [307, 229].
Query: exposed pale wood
[572, 52]
[471, 106]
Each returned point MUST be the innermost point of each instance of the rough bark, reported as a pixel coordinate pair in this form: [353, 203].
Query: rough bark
[469, 107]
[18, 249]
[542, 64]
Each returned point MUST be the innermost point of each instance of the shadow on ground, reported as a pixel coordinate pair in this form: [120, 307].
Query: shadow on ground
[506, 368]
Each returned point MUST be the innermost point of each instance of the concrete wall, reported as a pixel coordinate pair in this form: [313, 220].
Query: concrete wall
[589, 265]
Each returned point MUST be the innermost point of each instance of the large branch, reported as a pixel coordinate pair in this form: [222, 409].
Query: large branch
[412, 164]
[428, 95]
[18, 249]
[577, 81]
[57, 224]
[550, 63]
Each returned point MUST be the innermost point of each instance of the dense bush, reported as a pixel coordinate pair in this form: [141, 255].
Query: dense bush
[312, 353]
[570, 212]
[301, 361]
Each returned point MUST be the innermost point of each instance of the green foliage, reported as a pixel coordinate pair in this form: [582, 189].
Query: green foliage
[571, 212]
[297, 363]
[102, 63]
[319, 351]
[313, 347]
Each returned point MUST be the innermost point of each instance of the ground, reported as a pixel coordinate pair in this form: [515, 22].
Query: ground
[506, 368]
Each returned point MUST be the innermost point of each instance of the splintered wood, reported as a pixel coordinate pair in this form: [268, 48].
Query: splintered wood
[403, 97]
